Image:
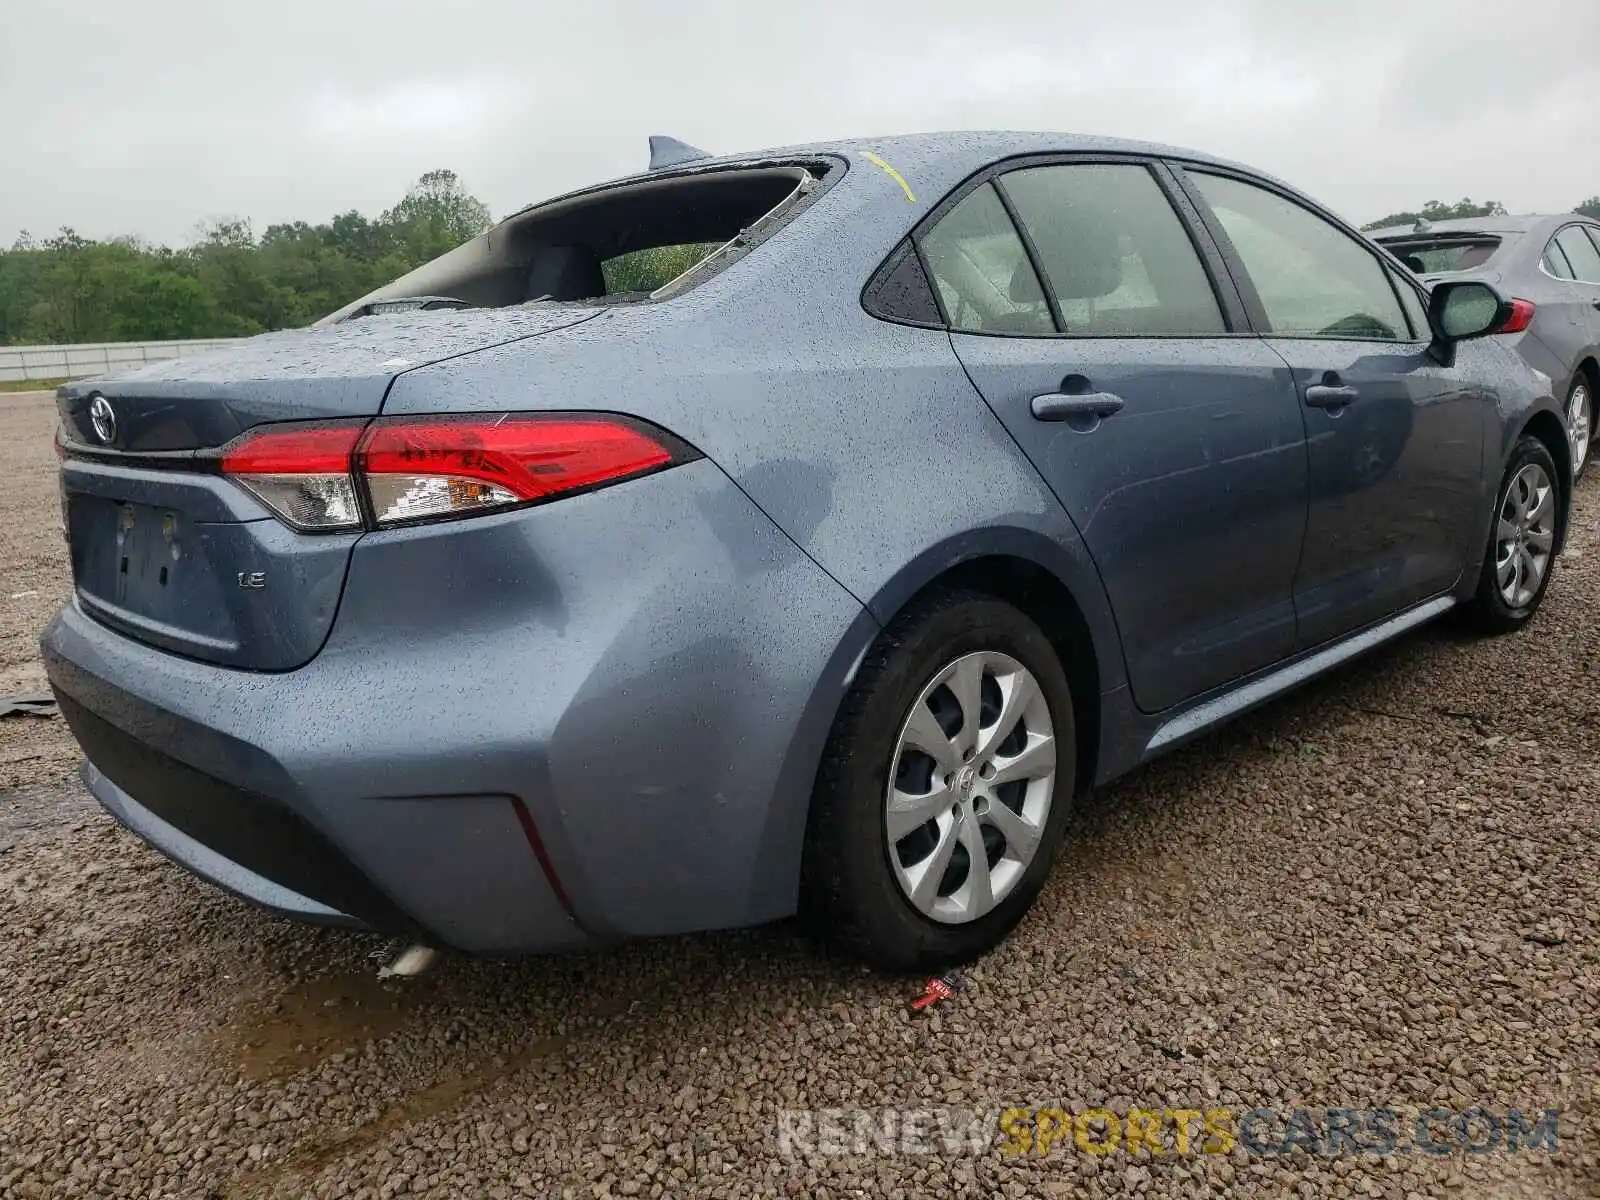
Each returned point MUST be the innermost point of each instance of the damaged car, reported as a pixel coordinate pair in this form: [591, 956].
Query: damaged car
[790, 532]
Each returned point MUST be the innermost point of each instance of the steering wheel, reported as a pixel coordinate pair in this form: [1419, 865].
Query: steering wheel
[1359, 325]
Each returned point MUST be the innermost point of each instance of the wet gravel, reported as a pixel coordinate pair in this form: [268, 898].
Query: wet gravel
[1379, 892]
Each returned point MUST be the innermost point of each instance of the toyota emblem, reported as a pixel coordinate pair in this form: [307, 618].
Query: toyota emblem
[104, 419]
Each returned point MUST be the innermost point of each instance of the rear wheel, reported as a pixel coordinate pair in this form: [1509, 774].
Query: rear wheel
[1521, 552]
[1580, 423]
[945, 788]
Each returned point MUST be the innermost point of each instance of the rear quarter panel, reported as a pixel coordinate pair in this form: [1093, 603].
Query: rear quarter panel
[863, 441]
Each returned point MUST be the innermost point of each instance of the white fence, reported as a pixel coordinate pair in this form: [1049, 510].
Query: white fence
[76, 362]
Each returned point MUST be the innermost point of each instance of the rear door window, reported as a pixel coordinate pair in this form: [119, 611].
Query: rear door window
[981, 271]
[1580, 252]
[1114, 253]
[1555, 262]
[1313, 279]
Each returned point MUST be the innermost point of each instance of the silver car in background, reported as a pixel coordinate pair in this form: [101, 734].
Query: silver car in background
[1552, 265]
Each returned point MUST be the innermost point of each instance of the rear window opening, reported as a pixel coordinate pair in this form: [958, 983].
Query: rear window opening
[640, 240]
[1442, 255]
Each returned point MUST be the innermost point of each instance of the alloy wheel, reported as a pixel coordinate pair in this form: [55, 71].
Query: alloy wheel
[1525, 535]
[970, 787]
[1580, 418]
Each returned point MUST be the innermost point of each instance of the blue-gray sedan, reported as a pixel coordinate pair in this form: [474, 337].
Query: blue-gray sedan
[794, 531]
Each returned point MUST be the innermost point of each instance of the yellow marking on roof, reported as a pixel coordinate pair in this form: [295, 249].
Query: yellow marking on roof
[893, 174]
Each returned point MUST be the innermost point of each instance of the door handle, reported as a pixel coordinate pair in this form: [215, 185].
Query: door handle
[1597, 303]
[1322, 395]
[1056, 406]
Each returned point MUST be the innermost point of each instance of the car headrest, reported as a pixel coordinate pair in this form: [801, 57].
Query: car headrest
[1093, 270]
[1080, 251]
[1024, 284]
[564, 273]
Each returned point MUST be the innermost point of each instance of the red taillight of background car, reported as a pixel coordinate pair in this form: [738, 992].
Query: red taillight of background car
[1521, 316]
[428, 468]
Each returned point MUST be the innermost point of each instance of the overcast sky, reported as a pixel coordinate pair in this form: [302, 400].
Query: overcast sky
[148, 117]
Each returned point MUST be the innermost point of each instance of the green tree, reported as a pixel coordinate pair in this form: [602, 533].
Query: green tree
[436, 215]
[227, 281]
[1590, 207]
[1437, 210]
[646, 270]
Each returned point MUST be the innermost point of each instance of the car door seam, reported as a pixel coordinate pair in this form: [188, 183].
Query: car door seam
[1038, 475]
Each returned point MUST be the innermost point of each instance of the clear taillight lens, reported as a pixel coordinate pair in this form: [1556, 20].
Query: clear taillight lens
[310, 502]
[429, 468]
[417, 497]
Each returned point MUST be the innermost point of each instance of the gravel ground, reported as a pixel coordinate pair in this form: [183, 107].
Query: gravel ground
[1380, 891]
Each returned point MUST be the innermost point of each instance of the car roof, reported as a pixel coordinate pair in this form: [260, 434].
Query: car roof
[979, 147]
[1507, 224]
[940, 159]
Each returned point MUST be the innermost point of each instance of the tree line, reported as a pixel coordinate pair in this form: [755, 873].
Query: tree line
[229, 282]
[1438, 210]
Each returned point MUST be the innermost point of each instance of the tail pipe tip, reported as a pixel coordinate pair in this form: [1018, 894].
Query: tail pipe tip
[412, 961]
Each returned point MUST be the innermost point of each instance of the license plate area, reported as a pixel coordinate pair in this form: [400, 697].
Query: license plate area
[149, 548]
[147, 566]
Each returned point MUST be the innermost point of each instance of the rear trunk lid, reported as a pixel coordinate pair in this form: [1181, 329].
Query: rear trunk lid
[169, 553]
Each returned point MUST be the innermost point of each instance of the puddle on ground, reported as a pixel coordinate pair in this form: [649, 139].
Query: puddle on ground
[307, 1160]
[316, 1018]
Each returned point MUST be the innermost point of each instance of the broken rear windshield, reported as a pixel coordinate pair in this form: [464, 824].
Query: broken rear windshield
[643, 239]
[1442, 255]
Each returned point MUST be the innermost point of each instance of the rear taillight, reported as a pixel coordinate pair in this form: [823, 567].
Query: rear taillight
[442, 466]
[428, 468]
[300, 472]
[1521, 316]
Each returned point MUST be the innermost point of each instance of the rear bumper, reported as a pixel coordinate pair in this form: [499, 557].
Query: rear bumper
[526, 732]
[212, 864]
[245, 842]
[241, 807]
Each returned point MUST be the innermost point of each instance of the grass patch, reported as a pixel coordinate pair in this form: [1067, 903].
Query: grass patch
[30, 385]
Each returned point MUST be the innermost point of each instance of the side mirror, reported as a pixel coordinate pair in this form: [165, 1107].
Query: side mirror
[1466, 309]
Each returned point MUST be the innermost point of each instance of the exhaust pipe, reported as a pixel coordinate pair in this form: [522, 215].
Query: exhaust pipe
[412, 961]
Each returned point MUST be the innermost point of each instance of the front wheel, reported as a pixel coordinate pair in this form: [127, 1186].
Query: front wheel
[945, 788]
[1521, 552]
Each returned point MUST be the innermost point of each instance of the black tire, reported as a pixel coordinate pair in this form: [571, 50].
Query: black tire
[1583, 384]
[1489, 612]
[849, 892]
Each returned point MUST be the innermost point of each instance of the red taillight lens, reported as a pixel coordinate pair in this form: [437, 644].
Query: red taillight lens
[421, 467]
[300, 472]
[293, 450]
[426, 468]
[1521, 316]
